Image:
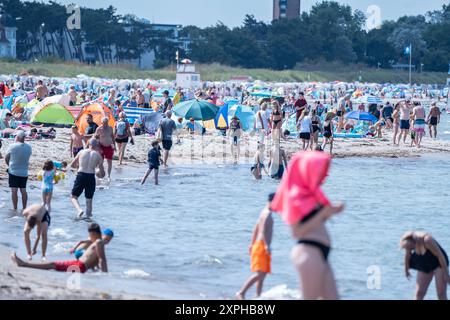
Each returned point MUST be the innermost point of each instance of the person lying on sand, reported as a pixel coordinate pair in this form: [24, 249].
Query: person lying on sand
[94, 257]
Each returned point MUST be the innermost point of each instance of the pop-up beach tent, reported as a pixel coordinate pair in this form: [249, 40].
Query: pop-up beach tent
[52, 114]
[98, 111]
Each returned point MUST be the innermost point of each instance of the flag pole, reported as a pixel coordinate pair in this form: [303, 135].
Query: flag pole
[410, 64]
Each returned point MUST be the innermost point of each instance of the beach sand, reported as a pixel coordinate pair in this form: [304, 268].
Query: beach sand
[212, 149]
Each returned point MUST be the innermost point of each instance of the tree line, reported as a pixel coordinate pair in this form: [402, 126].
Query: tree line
[330, 32]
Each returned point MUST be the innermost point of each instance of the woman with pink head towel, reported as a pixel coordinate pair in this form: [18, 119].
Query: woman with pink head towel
[304, 206]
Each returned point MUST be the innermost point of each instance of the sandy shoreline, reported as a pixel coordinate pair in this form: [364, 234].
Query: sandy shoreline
[29, 284]
[212, 149]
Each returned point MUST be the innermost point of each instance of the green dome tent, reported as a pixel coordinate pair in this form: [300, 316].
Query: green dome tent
[52, 114]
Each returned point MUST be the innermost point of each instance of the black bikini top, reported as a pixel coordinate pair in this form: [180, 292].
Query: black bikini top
[311, 214]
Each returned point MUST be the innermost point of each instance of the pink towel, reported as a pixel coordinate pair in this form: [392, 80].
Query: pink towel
[299, 192]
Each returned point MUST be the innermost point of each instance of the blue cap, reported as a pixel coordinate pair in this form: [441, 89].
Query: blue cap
[108, 232]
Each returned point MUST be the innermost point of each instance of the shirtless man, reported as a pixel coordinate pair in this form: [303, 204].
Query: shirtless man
[107, 143]
[419, 123]
[76, 142]
[260, 251]
[111, 98]
[41, 91]
[36, 215]
[405, 115]
[73, 96]
[87, 161]
[93, 258]
[140, 99]
[433, 119]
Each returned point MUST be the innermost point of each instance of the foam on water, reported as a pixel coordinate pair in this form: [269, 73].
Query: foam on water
[280, 292]
[136, 273]
[59, 233]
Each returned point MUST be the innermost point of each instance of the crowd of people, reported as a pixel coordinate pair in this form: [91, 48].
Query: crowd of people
[299, 198]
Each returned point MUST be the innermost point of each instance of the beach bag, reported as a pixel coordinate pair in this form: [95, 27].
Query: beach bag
[159, 134]
[121, 128]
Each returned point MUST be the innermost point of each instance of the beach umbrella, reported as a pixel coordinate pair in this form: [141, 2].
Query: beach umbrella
[197, 109]
[245, 114]
[221, 119]
[361, 115]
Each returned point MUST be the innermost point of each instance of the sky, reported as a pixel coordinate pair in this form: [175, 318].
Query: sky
[204, 13]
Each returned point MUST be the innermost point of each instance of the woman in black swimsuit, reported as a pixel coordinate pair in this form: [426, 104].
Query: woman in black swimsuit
[328, 132]
[276, 118]
[316, 128]
[306, 174]
[425, 255]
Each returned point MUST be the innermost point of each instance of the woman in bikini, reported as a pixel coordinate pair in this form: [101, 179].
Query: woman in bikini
[306, 209]
[276, 119]
[424, 254]
[396, 122]
[328, 132]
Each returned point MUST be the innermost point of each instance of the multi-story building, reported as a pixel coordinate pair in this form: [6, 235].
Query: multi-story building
[7, 42]
[289, 9]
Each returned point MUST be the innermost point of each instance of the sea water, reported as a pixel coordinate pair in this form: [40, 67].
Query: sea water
[188, 238]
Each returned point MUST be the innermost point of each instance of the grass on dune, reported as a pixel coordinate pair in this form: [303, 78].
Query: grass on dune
[216, 72]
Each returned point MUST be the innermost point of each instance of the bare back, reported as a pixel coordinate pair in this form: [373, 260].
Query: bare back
[89, 160]
[265, 226]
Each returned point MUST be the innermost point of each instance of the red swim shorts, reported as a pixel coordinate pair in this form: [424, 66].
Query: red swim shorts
[70, 266]
[107, 152]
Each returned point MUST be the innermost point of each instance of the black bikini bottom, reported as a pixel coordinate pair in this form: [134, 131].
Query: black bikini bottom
[323, 248]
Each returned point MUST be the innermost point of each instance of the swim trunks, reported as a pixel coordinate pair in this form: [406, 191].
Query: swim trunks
[419, 126]
[305, 135]
[433, 121]
[17, 182]
[70, 266]
[86, 182]
[75, 151]
[404, 124]
[46, 218]
[167, 144]
[107, 152]
[260, 258]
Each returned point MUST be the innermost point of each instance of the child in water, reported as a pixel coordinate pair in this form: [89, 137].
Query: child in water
[260, 251]
[154, 160]
[48, 179]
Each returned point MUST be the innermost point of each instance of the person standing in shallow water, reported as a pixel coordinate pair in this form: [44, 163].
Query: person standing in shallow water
[260, 251]
[424, 254]
[305, 208]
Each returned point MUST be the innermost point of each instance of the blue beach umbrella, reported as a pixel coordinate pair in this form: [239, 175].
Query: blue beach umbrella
[361, 116]
[221, 119]
[200, 110]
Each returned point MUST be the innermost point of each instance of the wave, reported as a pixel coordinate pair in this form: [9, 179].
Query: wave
[190, 175]
[136, 273]
[59, 232]
[446, 132]
[280, 292]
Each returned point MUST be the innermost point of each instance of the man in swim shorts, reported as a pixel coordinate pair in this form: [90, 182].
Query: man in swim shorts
[93, 258]
[36, 215]
[87, 161]
[260, 251]
[434, 117]
[107, 143]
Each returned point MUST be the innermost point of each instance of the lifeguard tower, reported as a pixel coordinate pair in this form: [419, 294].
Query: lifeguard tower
[187, 76]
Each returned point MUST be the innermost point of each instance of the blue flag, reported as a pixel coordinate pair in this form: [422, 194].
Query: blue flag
[408, 50]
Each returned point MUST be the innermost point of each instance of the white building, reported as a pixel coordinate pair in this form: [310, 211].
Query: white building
[7, 42]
